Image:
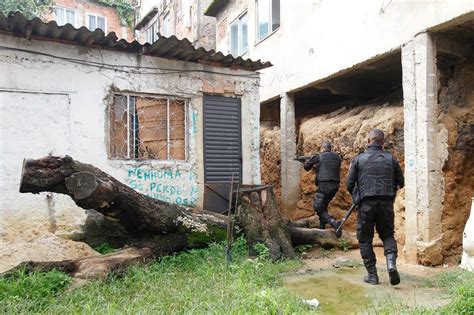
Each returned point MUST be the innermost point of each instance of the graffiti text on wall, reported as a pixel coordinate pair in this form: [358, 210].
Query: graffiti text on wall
[170, 185]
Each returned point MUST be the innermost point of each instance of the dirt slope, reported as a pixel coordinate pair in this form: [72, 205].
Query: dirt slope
[270, 158]
[457, 115]
[347, 130]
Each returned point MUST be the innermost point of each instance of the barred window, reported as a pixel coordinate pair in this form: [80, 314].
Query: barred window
[147, 128]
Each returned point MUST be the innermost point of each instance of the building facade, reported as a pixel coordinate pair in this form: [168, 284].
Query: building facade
[184, 19]
[330, 56]
[159, 124]
[92, 15]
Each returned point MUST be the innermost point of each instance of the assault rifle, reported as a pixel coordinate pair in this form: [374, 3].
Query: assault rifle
[355, 202]
[302, 158]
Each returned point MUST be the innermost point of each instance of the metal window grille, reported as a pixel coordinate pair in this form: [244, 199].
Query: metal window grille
[147, 128]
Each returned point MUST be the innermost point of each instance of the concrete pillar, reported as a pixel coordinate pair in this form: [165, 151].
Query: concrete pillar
[290, 169]
[425, 152]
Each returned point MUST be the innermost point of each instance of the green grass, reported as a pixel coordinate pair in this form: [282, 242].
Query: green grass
[31, 291]
[458, 283]
[193, 282]
[105, 249]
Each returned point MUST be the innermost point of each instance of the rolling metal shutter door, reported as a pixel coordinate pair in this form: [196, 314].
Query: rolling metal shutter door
[222, 139]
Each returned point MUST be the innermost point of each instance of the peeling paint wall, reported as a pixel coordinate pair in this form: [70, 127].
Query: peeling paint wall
[50, 104]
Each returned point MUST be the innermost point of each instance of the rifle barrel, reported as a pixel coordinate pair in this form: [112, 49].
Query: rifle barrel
[346, 216]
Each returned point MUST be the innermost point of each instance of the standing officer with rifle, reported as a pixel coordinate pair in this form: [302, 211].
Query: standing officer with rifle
[377, 175]
[328, 166]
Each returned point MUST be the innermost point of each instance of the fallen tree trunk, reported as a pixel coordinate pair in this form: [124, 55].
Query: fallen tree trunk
[157, 228]
[90, 188]
[325, 238]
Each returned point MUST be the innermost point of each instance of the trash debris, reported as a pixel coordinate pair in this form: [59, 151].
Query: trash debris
[344, 262]
[314, 303]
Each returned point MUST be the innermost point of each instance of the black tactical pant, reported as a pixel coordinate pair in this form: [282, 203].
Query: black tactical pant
[324, 194]
[379, 214]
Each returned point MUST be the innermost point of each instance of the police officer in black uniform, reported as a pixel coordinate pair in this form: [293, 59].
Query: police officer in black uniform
[377, 175]
[328, 166]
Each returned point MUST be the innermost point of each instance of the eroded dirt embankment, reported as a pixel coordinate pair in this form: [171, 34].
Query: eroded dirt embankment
[347, 129]
[456, 113]
[270, 158]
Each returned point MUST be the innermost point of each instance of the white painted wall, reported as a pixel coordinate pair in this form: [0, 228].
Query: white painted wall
[146, 6]
[318, 38]
[467, 261]
[50, 105]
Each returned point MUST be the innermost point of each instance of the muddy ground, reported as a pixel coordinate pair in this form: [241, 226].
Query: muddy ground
[334, 278]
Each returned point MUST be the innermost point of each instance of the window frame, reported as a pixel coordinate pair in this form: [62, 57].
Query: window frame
[96, 16]
[270, 22]
[238, 20]
[64, 9]
[156, 24]
[167, 32]
[129, 120]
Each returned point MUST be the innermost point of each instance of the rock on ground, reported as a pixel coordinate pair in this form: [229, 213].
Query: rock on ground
[34, 246]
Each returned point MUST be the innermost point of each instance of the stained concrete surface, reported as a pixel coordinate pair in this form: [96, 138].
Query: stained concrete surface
[335, 279]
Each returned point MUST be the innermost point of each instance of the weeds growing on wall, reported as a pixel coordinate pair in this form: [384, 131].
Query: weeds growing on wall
[124, 10]
[198, 281]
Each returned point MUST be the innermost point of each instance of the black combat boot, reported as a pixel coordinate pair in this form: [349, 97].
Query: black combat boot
[372, 277]
[322, 224]
[392, 269]
[335, 224]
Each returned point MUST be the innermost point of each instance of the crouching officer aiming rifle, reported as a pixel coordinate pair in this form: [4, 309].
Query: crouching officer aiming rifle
[327, 165]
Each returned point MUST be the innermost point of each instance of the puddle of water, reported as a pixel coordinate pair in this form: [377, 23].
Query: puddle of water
[336, 295]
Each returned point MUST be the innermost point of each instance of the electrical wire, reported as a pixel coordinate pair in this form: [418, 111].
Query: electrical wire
[132, 69]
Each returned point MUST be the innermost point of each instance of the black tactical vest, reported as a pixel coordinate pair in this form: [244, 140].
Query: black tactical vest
[329, 167]
[376, 174]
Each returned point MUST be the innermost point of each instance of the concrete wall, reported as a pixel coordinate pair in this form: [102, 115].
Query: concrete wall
[318, 38]
[51, 105]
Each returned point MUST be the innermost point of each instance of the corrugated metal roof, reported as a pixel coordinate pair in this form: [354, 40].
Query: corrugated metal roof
[165, 47]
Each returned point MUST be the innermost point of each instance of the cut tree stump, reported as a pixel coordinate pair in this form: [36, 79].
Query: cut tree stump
[158, 228]
[261, 223]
